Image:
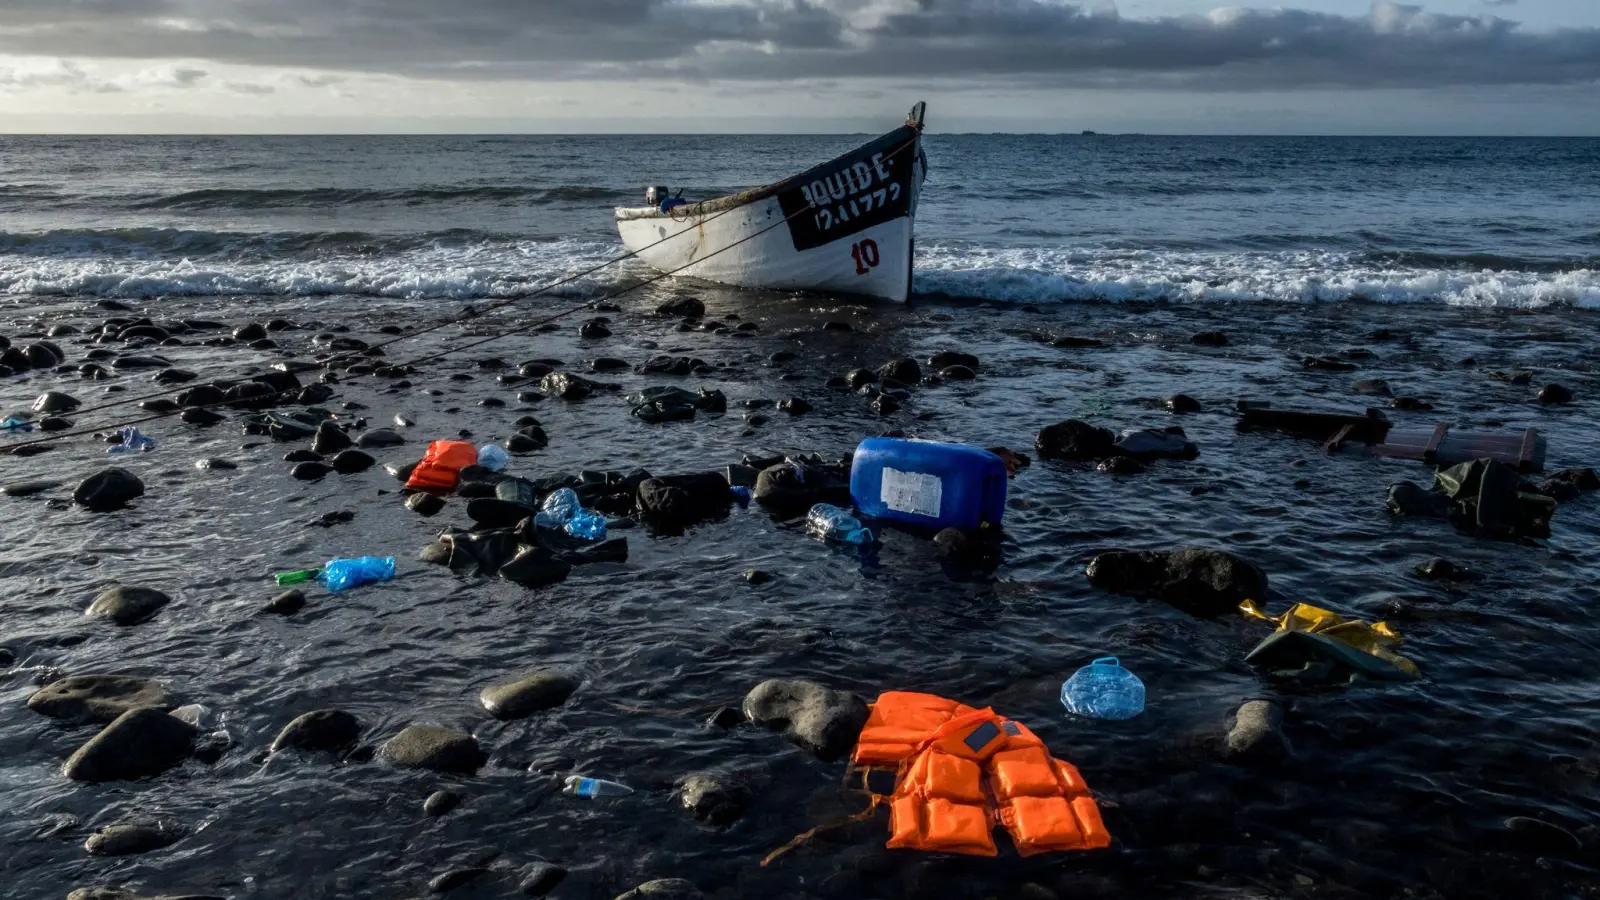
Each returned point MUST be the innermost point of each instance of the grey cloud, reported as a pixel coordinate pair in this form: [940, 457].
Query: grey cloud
[179, 76]
[310, 80]
[71, 76]
[55, 73]
[1038, 42]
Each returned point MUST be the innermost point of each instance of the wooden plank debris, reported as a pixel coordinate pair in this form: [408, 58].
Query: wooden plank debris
[1438, 445]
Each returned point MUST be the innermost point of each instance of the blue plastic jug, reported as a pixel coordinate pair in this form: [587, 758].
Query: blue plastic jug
[928, 484]
[1103, 690]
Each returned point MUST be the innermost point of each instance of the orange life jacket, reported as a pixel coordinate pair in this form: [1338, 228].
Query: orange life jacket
[964, 770]
[440, 469]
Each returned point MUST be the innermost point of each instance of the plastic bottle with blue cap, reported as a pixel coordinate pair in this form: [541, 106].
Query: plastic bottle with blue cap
[594, 788]
[830, 523]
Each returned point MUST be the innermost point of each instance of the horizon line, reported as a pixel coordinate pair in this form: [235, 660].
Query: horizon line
[488, 134]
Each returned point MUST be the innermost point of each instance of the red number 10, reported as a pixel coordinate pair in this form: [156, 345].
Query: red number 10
[865, 254]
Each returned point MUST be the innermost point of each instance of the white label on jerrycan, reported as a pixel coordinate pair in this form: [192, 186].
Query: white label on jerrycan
[912, 492]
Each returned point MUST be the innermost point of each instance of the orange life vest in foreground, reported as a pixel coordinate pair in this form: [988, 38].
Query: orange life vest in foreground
[440, 469]
[964, 770]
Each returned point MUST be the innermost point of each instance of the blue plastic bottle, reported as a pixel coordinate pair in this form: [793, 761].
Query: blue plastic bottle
[558, 509]
[928, 484]
[342, 574]
[831, 523]
[1103, 690]
[581, 786]
[586, 524]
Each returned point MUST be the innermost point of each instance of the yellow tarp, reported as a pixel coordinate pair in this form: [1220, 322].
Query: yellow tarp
[1374, 639]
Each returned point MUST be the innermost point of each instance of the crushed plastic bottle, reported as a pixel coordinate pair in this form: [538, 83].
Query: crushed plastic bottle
[493, 457]
[342, 574]
[194, 714]
[579, 786]
[129, 440]
[562, 509]
[1103, 690]
[558, 509]
[587, 525]
[830, 523]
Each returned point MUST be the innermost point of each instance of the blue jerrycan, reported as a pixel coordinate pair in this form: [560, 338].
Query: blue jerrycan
[928, 484]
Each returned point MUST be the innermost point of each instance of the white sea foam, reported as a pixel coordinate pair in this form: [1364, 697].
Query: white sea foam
[495, 269]
[509, 268]
[1064, 275]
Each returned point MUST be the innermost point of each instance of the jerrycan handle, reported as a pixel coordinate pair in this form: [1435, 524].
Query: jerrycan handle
[1107, 661]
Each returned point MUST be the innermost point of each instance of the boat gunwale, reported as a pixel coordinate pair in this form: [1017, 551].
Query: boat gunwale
[746, 197]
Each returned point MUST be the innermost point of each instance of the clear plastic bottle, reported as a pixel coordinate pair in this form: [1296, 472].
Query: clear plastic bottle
[493, 457]
[587, 525]
[579, 786]
[831, 523]
[1103, 690]
[342, 574]
[194, 714]
[558, 509]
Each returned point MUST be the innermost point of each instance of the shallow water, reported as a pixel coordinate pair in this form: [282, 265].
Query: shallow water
[1394, 789]
[1485, 222]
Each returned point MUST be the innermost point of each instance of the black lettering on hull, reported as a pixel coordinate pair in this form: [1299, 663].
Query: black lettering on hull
[848, 195]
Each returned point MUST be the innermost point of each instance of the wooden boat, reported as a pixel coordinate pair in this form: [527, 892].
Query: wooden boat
[842, 227]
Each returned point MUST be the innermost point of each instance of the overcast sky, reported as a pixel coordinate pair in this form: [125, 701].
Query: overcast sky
[1161, 66]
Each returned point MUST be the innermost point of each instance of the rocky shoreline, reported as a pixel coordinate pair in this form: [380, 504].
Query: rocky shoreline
[173, 710]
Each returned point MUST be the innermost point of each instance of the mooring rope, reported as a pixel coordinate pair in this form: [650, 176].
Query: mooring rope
[100, 429]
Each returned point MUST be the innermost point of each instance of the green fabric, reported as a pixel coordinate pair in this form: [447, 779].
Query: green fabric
[1319, 658]
[1489, 498]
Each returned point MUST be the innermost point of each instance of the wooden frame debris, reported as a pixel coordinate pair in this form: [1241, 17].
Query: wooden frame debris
[1436, 446]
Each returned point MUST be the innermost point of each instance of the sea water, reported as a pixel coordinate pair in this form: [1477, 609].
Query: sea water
[1505, 222]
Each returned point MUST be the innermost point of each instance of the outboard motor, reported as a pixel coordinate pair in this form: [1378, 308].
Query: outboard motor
[654, 194]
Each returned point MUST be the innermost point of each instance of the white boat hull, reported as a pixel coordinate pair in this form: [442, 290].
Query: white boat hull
[872, 263]
[844, 227]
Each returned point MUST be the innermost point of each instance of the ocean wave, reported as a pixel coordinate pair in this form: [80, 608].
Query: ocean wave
[1060, 275]
[139, 242]
[1484, 261]
[145, 263]
[499, 269]
[1155, 187]
[247, 199]
[1109, 189]
[22, 197]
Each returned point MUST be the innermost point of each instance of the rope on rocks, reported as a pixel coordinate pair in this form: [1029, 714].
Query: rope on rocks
[873, 803]
[473, 314]
[82, 432]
